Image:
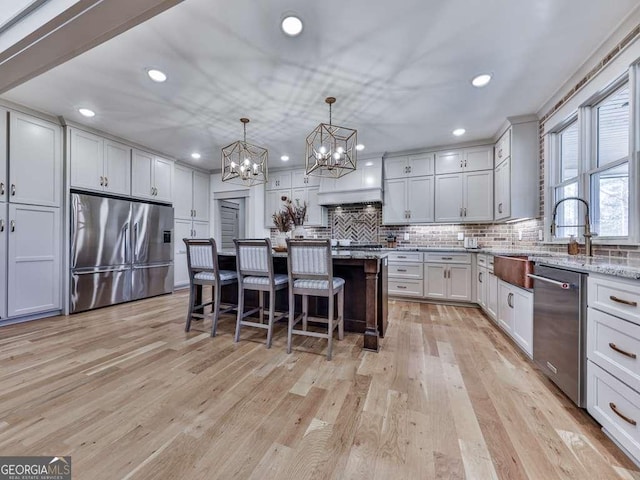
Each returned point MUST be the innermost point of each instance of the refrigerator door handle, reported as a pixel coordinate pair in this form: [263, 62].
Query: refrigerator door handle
[159, 265]
[96, 270]
[135, 242]
[126, 241]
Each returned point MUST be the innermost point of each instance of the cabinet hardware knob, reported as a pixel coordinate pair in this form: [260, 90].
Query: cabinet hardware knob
[465, 162]
[623, 301]
[613, 407]
[13, 225]
[13, 189]
[613, 346]
[102, 181]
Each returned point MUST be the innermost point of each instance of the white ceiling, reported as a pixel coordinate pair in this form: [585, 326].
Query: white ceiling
[400, 71]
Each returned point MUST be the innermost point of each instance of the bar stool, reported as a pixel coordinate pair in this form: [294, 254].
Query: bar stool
[254, 262]
[202, 262]
[311, 274]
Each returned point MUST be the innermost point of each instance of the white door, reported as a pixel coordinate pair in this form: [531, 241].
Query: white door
[33, 260]
[481, 286]
[200, 196]
[87, 152]
[421, 164]
[395, 168]
[478, 158]
[459, 277]
[502, 208]
[117, 168]
[141, 174]
[4, 222]
[181, 229]
[183, 193]
[163, 179]
[449, 198]
[449, 162]
[435, 285]
[35, 167]
[3, 155]
[523, 319]
[394, 208]
[505, 307]
[316, 213]
[478, 191]
[492, 295]
[229, 225]
[420, 199]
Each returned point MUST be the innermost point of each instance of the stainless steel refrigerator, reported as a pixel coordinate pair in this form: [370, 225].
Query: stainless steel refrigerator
[121, 250]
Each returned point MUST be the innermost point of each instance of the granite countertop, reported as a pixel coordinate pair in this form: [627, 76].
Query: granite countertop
[622, 267]
[340, 254]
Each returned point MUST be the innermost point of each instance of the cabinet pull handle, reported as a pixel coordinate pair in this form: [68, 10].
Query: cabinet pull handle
[13, 190]
[465, 162]
[106, 181]
[402, 256]
[402, 269]
[623, 301]
[446, 258]
[102, 181]
[613, 346]
[2, 188]
[409, 212]
[480, 277]
[500, 208]
[401, 286]
[13, 225]
[460, 211]
[2, 225]
[613, 407]
[510, 300]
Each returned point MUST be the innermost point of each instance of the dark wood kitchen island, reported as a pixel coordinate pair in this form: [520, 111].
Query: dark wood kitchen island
[365, 306]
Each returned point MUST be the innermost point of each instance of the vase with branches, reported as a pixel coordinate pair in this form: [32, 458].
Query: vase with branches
[283, 223]
[298, 213]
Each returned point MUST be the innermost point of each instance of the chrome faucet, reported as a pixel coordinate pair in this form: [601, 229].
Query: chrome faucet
[588, 247]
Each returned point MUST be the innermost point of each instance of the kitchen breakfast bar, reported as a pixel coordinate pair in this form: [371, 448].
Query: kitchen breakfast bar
[365, 276]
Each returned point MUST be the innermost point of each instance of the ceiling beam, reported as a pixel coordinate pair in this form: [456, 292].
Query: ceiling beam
[84, 25]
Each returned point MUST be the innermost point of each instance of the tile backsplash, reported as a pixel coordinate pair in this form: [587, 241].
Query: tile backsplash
[363, 224]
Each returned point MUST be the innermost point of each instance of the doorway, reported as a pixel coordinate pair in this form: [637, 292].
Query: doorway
[229, 223]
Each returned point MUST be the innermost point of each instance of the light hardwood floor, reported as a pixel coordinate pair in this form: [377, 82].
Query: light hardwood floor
[129, 395]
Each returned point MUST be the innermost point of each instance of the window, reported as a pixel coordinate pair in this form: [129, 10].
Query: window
[590, 159]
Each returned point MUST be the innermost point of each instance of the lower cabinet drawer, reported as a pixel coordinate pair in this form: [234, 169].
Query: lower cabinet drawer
[447, 257]
[407, 288]
[406, 270]
[615, 406]
[618, 297]
[614, 344]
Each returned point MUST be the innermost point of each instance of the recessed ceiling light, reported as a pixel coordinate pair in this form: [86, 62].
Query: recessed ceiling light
[284, 158]
[157, 75]
[368, 164]
[291, 25]
[87, 112]
[459, 131]
[196, 155]
[360, 147]
[481, 80]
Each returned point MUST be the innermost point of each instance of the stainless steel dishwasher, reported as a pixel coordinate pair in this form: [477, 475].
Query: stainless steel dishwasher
[559, 328]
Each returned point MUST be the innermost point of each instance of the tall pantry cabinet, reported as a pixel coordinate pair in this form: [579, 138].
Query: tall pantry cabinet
[30, 201]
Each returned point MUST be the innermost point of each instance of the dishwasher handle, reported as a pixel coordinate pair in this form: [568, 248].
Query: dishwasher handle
[562, 285]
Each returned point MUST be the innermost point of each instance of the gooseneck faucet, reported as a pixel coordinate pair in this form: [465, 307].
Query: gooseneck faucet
[587, 225]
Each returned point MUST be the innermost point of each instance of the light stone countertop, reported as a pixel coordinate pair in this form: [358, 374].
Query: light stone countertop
[622, 267]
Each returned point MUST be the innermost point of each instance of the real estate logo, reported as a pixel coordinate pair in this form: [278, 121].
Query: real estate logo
[35, 468]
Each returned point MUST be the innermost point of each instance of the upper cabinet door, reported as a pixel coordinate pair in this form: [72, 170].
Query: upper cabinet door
[420, 199]
[35, 161]
[449, 161]
[117, 168]
[183, 193]
[86, 160]
[478, 158]
[502, 208]
[395, 167]
[3, 155]
[200, 196]
[449, 198]
[163, 179]
[299, 179]
[141, 174]
[421, 164]
[394, 208]
[279, 181]
[478, 191]
[503, 147]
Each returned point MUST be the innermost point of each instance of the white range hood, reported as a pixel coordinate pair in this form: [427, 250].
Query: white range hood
[362, 186]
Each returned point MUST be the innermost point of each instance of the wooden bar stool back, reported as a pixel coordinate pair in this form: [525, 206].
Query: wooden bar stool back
[311, 274]
[254, 262]
[202, 262]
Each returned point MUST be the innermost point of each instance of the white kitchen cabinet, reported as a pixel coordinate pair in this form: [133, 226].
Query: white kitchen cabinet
[273, 204]
[448, 281]
[305, 189]
[316, 214]
[151, 177]
[492, 295]
[408, 201]
[435, 278]
[279, 180]
[185, 229]
[464, 197]
[190, 194]
[515, 314]
[409, 166]
[35, 161]
[481, 287]
[99, 164]
[464, 160]
[459, 283]
[299, 178]
[517, 172]
[4, 222]
[4, 115]
[33, 268]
